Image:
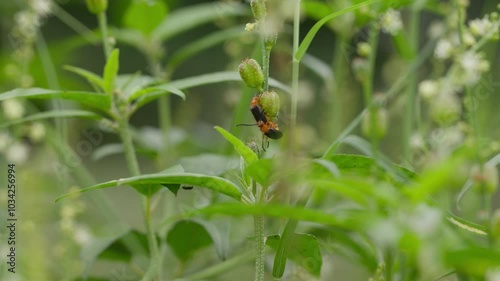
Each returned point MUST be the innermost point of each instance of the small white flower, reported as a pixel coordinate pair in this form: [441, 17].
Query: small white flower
[5, 140]
[249, 26]
[472, 65]
[37, 132]
[428, 89]
[391, 22]
[469, 39]
[480, 27]
[82, 235]
[17, 153]
[12, 109]
[27, 22]
[444, 49]
[436, 30]
[42, 7]
[417, 141]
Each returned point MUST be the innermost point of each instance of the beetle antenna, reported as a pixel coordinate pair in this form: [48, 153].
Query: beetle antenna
[246, 125]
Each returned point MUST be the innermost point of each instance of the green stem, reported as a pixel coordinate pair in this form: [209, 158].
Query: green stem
[266, 54]
[259, 247]
[295, 75]
[128, 146]
[165, 121]
[52, 81]
[411, 102]
[103, 25]
[133, 166]
[155, 262]
[336, 109]
[368, 84]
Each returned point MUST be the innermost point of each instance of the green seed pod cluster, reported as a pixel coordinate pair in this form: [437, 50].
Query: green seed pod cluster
[252, 74]
[375, 128]
[270, 103]
[97, 6]
[258, 9]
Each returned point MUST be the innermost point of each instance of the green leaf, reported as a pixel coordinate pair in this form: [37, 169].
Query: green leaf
[90, 253]
[145, 16]
[473, 261]
[403, 45]
[189, 17]
[354, 220]
[106, 150]
[312, 33]
[212, 39]
[125, 247]
[186, 237]
[283, 248]
[305, 251]
[214, 183]
[467, 225]
[149, 94]
[131, 83]
[174, 188]
[94, 100]
[209, 164]
[216, 77]
[111, 71]
[53, 114]
[244, 151]
[263, 171]
[94, 79]
[221, 242]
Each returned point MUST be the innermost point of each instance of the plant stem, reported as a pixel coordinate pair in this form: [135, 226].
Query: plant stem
[295, 75]
[133, 166]
[368, 85]
[266, 54]
[103, 25]
[411, 101]
[128, 146]
[259, 247]
[52, 81]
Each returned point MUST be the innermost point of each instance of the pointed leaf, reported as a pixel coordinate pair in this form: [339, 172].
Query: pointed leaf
[94, 100]
[145, 16]
[263, 171]
[149, 94]
[214, 183]
[91, 77]
[217, 77]
[244, 151]
[181, 20]
[174, 188]
[53, 114]
[312, 33]
[305, 251]
[186, 237]
[354, 220]
[125, 247]
[111, 71]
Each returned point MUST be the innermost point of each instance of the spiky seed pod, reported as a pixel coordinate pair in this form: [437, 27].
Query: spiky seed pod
[270, 103]
[251, 73]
